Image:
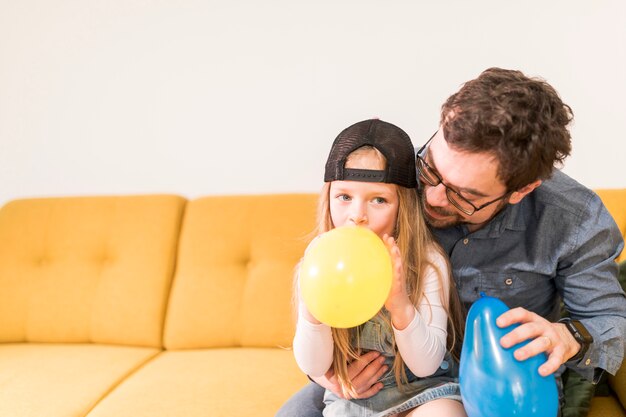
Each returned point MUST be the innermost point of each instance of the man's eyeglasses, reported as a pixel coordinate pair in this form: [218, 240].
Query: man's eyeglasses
[428, 176]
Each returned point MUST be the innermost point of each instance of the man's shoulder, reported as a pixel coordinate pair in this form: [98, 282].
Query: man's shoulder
[563, 194]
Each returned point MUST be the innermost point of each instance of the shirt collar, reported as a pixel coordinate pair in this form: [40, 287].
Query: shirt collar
[511, 218]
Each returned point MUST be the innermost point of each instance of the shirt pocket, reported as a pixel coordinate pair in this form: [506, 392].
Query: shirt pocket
[534, 292]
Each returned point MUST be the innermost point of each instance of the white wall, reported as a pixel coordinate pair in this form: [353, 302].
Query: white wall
[243, 96]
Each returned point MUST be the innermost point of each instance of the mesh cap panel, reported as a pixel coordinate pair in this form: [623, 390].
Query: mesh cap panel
[389, 139]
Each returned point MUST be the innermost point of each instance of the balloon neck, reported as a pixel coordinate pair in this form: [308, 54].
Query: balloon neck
[482, 294]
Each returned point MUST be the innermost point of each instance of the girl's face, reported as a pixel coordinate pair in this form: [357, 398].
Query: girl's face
[370, 204]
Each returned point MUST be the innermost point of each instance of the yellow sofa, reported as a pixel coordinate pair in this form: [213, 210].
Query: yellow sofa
[158, 306]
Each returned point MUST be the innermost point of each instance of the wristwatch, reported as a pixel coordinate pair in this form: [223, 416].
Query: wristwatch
[581, 335]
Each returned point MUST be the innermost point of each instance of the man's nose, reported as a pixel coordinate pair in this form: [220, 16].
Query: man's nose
[436, 195]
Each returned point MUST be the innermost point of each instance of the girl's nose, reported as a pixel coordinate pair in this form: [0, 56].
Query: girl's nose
[358, 217]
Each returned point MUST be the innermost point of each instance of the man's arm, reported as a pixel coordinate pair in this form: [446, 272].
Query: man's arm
[364, 374]
[587, 280]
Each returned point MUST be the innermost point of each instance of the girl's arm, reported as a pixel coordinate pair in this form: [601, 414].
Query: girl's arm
[421, 332]
[422, 343]
[312, 344]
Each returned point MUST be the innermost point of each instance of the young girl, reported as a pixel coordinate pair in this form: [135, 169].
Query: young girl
[370, 181]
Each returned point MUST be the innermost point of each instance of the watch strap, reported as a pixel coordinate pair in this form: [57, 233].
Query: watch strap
[580, 334]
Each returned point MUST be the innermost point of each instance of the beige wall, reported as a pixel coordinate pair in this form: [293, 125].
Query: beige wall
[226, 97]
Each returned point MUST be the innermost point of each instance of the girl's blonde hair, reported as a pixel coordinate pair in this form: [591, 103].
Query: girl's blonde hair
[415, 243]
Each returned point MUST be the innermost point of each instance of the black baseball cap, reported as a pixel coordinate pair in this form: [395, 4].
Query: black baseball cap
[389, 139]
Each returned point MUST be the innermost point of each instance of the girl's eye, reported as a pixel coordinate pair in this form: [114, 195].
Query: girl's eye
[379, 200]
[343, 197]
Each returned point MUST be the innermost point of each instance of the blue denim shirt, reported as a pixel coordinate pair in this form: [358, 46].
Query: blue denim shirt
[558, 243]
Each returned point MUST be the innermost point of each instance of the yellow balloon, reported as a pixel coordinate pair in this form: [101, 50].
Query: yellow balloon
[345, 276]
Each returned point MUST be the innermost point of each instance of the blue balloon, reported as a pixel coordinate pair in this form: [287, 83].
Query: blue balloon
[494, 383]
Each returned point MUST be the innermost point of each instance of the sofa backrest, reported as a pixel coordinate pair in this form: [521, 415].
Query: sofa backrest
[234, 273]
[87, 269]
[615, 202]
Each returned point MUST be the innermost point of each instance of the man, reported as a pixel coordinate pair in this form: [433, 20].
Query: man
[515, 228]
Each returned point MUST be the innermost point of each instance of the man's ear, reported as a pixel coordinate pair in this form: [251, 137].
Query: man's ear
[518, 195]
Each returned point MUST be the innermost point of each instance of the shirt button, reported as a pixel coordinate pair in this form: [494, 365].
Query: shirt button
[588, 361]
[508, 281]
[465, 241]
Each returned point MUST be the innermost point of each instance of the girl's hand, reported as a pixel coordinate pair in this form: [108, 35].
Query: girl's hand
[398, 303]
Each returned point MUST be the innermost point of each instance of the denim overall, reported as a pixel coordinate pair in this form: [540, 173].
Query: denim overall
[376, 334]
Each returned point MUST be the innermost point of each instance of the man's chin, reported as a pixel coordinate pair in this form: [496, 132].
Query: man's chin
[440, 222]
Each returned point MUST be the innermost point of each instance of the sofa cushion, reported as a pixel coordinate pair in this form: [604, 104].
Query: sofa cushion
[605, 407]
[235, 271]
[615, 201]
[243, 382]
[91, 269]
[618, 382]
[62, 380]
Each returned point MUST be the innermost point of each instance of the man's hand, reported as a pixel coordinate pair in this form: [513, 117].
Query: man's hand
[364, 374]
[552, 338]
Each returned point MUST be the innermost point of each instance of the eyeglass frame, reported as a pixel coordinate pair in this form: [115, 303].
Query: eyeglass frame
[421, 161]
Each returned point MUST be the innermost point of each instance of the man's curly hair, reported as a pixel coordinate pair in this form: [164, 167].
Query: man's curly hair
[521, 120]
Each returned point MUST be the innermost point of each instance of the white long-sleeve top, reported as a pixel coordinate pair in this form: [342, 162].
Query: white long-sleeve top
[422, 343]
